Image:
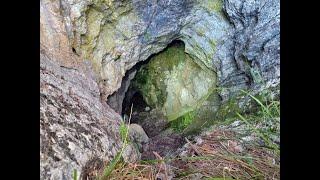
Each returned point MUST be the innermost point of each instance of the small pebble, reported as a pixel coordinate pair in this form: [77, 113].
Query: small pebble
[147, 108]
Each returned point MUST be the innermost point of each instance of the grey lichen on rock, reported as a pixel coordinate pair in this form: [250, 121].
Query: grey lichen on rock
[115, 35]
[75, 126]
[257, 39]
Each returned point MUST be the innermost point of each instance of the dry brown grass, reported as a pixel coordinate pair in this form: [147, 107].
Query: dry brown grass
[139, 171]
[218, 154]
[225, 156]
[133, 171]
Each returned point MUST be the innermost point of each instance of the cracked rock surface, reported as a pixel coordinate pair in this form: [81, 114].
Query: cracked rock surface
[75, 126]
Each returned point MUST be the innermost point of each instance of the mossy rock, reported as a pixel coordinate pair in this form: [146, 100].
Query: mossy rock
[177, 86]
[212, 5]
[151, 79]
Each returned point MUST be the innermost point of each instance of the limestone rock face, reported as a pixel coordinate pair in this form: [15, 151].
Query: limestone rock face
[53, 35]
[116, 34]
[256, 40]
[75, 127]
[237, 39]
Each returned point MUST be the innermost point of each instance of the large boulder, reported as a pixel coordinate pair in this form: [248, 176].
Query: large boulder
[75, 126]
[174, 83]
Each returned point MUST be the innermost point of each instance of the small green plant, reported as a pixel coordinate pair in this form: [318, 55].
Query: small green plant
[183, 122]
[268, 114]
[261, 134]
[75, 174]
[124, 131]
[263, 117]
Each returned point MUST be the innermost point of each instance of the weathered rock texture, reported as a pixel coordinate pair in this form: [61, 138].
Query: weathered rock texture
[256, 40]
[116, 99]
[75, 126]
[238, 40]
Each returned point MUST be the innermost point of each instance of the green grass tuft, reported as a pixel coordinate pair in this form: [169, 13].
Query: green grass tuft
[183, 122]
[124, 131]
[268, 115]
[75, 174]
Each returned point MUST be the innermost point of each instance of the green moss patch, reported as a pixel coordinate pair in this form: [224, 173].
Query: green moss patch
[212, 5]
[150, 80]
[176, 85]
[183, 122]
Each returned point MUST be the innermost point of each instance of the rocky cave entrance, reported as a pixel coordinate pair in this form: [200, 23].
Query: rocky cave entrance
[148, 115]
[129, 94]
[168, 92]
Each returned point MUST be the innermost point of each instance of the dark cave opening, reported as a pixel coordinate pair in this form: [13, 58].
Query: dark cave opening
[127, 95]
[135, 99]
[122, 99]
[153, 121]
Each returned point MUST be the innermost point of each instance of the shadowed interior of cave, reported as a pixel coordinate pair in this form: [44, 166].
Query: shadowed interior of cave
[169, 91]
[151, 119]
[132, 95]
[139, 105]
